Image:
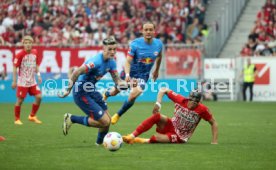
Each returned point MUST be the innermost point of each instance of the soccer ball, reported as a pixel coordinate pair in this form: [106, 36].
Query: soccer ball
[113, 141]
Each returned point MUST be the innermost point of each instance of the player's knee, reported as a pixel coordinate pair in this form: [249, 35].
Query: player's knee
[38, 97]
[106, 122]
[19, 101]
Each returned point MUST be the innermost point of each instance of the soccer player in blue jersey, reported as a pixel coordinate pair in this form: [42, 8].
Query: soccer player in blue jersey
[142, 54]
[90, 101]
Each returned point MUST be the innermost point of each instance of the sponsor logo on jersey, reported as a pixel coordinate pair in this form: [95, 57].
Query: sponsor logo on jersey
[147, 60]
[156, 53]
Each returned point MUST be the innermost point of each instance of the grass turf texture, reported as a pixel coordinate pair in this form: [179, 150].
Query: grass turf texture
[246, 140]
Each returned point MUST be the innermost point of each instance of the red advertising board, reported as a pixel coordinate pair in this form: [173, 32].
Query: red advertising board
[57, 59]
[183, 62]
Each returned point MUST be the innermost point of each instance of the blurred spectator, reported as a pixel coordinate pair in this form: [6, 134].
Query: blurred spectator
[261, 41]
[67, 22]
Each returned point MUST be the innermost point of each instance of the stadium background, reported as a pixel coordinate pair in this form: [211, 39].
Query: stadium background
[204, 40]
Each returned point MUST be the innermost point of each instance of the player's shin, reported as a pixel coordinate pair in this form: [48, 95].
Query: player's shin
[127, 104]
[101, 134]
[147, 124]
[35, 108]
[17, 112]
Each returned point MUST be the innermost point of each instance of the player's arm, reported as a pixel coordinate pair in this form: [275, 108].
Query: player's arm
[115, 77]
[38, 74]
[214, 129]
[160, 95]
[127, 67]
[158, 60]
[14, 76]
[73, 78]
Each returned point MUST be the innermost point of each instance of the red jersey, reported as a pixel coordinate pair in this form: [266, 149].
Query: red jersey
[27, 63]
[185, 120]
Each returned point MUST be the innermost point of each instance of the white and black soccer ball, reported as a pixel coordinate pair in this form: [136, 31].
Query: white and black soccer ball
[113, 141]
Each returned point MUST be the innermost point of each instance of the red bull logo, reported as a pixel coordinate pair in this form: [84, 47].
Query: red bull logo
[147, 60]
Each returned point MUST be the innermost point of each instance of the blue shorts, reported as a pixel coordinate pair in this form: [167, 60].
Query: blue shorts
[141, 81]
[91, 103]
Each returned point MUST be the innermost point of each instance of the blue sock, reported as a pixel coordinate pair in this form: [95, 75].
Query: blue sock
[101, 136]
[107, 93]
[125, 107]
[83, 120]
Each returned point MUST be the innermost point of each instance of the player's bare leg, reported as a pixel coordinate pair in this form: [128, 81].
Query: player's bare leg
[134, 93]
[110, 92]
[158, 119]
[32, 117]
[18, 104]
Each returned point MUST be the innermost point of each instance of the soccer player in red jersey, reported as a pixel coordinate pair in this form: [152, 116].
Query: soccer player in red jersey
[25, 62]
[178, 129]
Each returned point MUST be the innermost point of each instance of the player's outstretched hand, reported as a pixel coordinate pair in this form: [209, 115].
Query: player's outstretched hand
[127, 78]
[63, 94]
[156, 109]
[13, 85]
[39, 79]
[155, 75]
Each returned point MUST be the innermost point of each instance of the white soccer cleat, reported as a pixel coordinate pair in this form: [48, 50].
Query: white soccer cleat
[66, 123]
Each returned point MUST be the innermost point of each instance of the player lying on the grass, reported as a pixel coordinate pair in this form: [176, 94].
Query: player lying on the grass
[143, 53]
[178, 129]
[25, 62]
[85, 95]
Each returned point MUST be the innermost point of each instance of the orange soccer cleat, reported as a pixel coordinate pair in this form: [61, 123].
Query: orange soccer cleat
[129, 139]
[34, 119]
[18, 122]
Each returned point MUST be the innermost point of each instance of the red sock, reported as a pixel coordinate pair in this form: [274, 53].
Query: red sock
[34, 109]
[147, 124]
[153, 139]
[17, 112]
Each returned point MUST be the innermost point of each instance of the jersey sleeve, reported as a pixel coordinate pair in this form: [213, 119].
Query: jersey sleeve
[132, 50]
[113, 67]
[206, 115]
[177, 98]
[17, 59]
[90, 65]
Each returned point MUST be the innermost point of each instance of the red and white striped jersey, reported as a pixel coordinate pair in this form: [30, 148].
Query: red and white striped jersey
[185, 120]
[26, 62]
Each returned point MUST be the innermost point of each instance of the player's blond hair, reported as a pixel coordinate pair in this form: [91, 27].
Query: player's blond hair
[27, 37]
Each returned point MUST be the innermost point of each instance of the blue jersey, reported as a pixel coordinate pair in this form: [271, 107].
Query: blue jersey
[96, 68]
[144, 56]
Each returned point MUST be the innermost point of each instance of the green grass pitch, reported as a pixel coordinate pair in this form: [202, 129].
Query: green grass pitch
[247, 140]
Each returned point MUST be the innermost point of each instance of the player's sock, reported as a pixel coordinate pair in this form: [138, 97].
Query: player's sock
[127, 104]
[80, 120]
[101, 136]
[147, 124]
[34, 110]
[17, 112]
[153, 139]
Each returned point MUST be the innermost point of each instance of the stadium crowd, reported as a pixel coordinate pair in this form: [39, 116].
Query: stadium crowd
[88, 22]
[262, 38]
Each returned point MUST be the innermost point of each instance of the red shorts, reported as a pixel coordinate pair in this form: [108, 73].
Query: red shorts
[22, 91]
[170, 132]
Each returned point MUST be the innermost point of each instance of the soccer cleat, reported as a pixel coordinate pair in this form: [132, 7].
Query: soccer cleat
[141, 140]
[34, 119]
[104, 96]
[18, 122]
[115, 118]
[2, 138]
[128, 139]
[66, 123]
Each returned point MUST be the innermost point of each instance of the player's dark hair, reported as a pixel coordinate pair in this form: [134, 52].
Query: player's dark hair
[195, 95]
[109, 41]
[149, 22]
